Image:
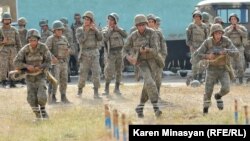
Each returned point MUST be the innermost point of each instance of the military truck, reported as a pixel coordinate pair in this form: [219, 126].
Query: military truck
[224, 8]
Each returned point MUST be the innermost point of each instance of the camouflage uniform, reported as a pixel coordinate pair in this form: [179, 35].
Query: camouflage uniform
[239, 39]
[44, 33]
[196, 34]
[162, 50]
[59, 48]
[146, 62]
[216, 71]
[89, 55]
[22, 30]
[8, 50]
[36, 84]
[205, 20]
[74, 58]
[68, 33]
[114, 41]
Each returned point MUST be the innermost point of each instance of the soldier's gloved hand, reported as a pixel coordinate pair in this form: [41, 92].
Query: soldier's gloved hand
[131, 59]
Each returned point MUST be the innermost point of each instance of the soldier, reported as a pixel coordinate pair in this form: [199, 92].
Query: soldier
[196, 33]
[205, 20]
[113, 37]
[68, 33]
[11, 44]
[140, 49]
[22, 30]
[35, 57]
[88, 36]
[238, 34]
[217, 70]
[45, 31]
[162, 50]
[158, 23]
[60, 50]
[74, 58]
[218, 20]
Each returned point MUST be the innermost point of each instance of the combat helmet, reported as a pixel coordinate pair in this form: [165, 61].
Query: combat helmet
[88, 14]
[218, 20]
[197, 12]
[216, 27]
[233, 15]
[33, 33]
[140, 18]
[22, 21]
[43, 22]
[6, 16]
[64, 20]
[115, 16]
[205, 16]
[151, 17]
[57, 25]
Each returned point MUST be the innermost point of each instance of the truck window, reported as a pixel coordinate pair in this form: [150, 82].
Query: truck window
[225, 13]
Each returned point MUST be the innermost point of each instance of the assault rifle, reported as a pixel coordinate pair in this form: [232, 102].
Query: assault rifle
[217, 50]
[19, 73]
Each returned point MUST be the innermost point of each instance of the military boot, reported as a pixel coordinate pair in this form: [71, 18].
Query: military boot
[200, 78]
[37, 112]
[205, 111]
[219, 101]
[106, 89]
[117, 88]
[4, 83]
[157, 110]
[241, 80]
[79, 93]
[139, 110]
[96, 94]
[12, 84]
[64, 99]
[44, 113]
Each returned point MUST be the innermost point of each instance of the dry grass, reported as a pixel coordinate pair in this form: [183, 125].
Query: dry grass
[84, 119]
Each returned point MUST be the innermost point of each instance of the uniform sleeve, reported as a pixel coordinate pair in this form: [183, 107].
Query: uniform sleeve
[19, 60]
[200, 53]
[163, 45]
[46, 59]
[233, 51]
[81, 36]
[18, 41]
[122, 32]
[153, 43]
[98, 35]
[189, 36]
[106, 34]
[243, 31]
[127, 47]
[227, 31]
[49, 43]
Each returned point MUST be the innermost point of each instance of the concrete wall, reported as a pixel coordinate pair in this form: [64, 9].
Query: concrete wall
[175, 14]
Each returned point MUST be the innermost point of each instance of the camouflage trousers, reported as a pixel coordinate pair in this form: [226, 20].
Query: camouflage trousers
[158, 78]
[36, 88]
[113, 66]
[89, 61]
[238, 63]
[149, 90]
[197, 66]
[214, 74]
[60, 72]
[7, 55]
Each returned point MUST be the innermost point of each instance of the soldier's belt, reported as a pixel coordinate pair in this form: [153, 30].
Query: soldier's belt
[89, 48]
[116, 49]
[216, 67]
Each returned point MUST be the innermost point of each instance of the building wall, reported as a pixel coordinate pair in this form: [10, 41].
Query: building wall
[175, 14]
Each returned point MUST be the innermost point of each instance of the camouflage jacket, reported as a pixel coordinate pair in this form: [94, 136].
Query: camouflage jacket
[196, 34]
[45, 35]
[114, 37]
[238, 37]
[22, 34]
[40, 56]
[13, 38]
